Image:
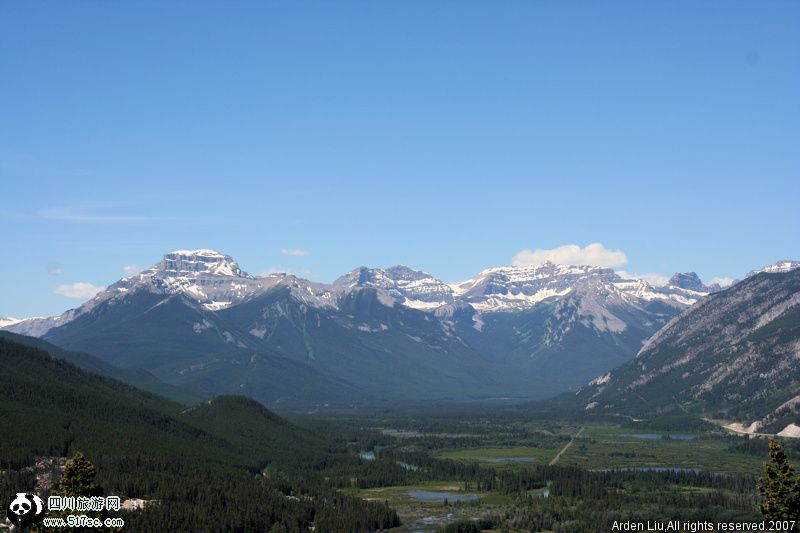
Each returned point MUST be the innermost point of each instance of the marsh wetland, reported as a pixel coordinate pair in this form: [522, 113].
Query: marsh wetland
[519, 472]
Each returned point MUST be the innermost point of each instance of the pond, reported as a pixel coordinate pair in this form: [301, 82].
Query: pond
[649, 469]
[432, 496]
[656, 436]
[510, 460]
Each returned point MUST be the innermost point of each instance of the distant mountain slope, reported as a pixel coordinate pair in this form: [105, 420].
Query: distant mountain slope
[272, 379]
[735, 356]
[390, 350]
[186, 345]
[135, 377]
[564, 342]
[72, 409]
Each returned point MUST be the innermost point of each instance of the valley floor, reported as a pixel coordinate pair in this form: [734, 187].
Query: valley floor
[516, 471]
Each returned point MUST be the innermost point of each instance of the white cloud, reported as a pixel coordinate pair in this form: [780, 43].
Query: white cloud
[131, 270]
[77, 290]
[295, 252]
[571, 254]
[654, 279]
[723, 282]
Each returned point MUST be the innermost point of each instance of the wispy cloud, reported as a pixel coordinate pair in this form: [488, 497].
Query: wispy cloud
[77, 290]
[53, 269]
[571, 254]
[654, 279]
[722, 281]
[131, 270]
[295, 252]
[105, 215]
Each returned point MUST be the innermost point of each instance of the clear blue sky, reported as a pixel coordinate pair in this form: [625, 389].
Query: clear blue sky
[443, 135]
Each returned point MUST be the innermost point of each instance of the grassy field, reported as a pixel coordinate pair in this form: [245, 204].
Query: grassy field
[398, 495]
[608, 447]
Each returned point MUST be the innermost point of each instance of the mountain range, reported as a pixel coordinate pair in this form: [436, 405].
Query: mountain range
[197, 321]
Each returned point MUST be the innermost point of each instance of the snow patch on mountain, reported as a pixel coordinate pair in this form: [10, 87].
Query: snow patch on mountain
[600, 380]
[38, 326]
[785, 265]
[517, 288]
[409, 287]
[199, 327]
[8, 321]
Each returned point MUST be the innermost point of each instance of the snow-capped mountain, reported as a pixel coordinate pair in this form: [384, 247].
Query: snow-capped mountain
[781, 266]
[211, 279]
[8, 321]
[37, 326]
[691, 281]
[215, 281]
[412, 288]
[509, 288]
[503, 289]
[196, 317]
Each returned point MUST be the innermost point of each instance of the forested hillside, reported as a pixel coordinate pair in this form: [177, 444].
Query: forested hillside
[223, 465]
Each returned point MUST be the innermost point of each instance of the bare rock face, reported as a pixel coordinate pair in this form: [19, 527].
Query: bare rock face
[688, 280]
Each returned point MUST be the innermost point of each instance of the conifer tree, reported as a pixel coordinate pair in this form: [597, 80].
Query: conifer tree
[779, 487]
[78, 481]
[78, 477]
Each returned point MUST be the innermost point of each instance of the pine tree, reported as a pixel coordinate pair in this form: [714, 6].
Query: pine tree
[78, 480]
[78, 477]
[779, 487]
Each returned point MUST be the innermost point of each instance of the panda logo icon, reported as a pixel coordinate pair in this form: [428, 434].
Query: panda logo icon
[25, 509]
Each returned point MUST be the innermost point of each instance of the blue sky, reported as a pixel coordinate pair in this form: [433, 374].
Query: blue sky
[448, 136]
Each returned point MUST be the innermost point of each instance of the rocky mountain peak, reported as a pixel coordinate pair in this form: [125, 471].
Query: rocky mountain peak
[199, 262]
[412, 288]
[404, 273]
[687, 280]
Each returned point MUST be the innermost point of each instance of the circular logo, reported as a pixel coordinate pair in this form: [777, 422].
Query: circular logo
[25, 509]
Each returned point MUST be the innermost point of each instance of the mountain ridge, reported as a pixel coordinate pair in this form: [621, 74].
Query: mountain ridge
[216, 281]
[735, 355]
